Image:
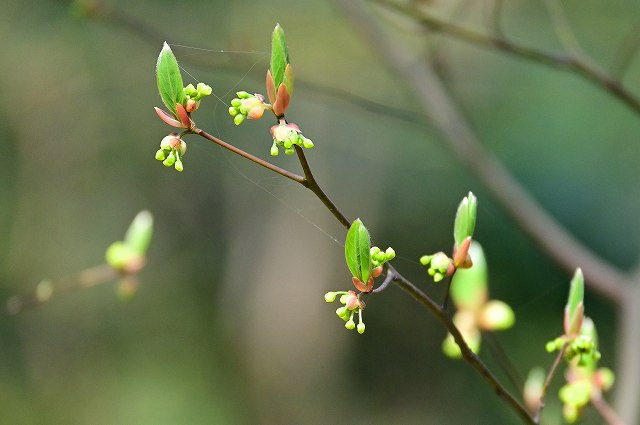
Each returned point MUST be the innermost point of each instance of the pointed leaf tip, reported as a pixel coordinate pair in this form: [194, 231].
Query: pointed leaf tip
[169, 79]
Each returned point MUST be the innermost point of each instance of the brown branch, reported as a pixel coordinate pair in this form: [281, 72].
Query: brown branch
[266, 164]
[46, 290]
[605, 411]
[547, 381]
[583, 68]
[310, 183]
[467, 354]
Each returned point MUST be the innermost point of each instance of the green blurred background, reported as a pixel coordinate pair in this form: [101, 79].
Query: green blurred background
[229, 324]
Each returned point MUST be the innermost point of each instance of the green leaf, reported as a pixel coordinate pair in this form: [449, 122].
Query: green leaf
[357, 251]
[574, 309]
[169, 79]
[279, 56]
[469, 287]
[465, 222]
[138, 236]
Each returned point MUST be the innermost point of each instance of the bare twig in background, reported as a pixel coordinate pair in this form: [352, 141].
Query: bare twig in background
[627, 51]
[556, 60]
[47, 289]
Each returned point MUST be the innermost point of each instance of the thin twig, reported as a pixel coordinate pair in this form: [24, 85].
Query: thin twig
[447, 294]
[507, 366]
[547, 381]
[589, 70]
[266, 164]
[563, 29]
[46, 290]
[467, 354]
[605, 411]
[627, 51]
[387, 280]
[495, 22]
[310, 183]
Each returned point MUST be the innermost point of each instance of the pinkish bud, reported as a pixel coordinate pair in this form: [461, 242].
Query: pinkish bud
[271, 90]
[282, 101]
[183, 115]
[377, 271]
[192, 105]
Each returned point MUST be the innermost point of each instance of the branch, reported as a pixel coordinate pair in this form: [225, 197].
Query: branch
[547, 381]
[467, 354]
[46, 290]
[584, 68]
[605, 411]
[266, 164]
[444, 116]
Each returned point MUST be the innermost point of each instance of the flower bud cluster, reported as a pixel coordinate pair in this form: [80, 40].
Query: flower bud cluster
[379, 257]
[194, 94]
[247, 105]
[352, 305]
[286, 136]
[172, 149]
[440, 265]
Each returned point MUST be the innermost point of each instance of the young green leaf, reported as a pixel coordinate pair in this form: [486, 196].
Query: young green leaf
[169, 79]
[138, 236]
[279, 56]
[357, 251]
[465, 222]
[574, 310]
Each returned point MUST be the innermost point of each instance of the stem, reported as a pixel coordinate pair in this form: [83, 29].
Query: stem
[310, 183]
[84, 279]
[547, 381]
[266, 164]
[467, 354]
[605, 410]
[583, 67]
[387, 280]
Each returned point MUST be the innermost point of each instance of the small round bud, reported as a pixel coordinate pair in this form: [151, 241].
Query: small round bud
[274, 150]
[391, 254]
[171, 159]
[238, 119]
[361, 328]
[160, 155]
[307, 143]
[178, 165]
[330, 297]
[350, 324]
[236, 102]
[289, 151]
[233, 111]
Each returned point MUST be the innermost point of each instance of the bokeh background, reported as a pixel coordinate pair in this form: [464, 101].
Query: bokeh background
[229, 325]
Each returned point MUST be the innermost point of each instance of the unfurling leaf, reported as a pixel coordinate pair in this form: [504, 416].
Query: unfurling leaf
[169, 79]
[357, 251]
[279, 56]
[465, 222]
[574, 310]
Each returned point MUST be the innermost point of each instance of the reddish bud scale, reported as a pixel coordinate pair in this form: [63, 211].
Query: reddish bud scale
[168, 119]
